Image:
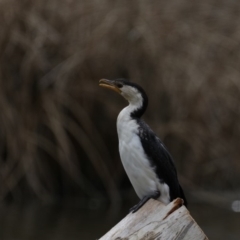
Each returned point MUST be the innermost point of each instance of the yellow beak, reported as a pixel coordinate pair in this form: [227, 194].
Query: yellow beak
[109, 84]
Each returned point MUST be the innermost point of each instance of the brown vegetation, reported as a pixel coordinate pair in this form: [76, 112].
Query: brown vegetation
[57, 134]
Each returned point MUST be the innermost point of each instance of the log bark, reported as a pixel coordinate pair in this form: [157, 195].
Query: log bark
[157, 221]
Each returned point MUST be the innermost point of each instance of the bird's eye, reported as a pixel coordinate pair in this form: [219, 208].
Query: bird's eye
[119, 85]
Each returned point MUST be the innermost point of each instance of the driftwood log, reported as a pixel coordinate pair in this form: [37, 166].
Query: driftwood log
[157, 221]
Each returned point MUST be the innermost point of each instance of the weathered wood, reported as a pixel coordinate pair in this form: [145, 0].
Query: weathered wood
[157, 221]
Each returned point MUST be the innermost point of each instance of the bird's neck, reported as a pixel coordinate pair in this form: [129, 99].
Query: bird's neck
[138, 103]
[133, 111]
[126, 125]
[126, 121]
[137, 109]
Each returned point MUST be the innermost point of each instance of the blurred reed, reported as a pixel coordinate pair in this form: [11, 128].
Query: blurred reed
[57, 134]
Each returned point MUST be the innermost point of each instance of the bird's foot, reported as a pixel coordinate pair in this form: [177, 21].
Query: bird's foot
[136, 207]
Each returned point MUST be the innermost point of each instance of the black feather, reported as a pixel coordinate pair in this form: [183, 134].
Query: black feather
[160, 160]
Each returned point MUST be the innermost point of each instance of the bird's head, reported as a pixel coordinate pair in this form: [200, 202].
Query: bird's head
[132, 92]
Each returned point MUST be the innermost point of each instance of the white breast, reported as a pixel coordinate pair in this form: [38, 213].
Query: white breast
[135, 162]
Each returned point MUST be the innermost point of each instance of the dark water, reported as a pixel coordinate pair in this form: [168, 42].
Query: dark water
[51, 222]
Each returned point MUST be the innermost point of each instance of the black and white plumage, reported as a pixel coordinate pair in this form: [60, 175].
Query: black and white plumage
[146, 160]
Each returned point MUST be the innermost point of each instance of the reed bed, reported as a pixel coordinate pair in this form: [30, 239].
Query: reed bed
[58, 136]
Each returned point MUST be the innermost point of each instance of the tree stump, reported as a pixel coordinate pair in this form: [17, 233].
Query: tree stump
[157, 221]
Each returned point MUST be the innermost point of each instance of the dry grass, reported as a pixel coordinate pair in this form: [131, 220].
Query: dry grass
[58, 128]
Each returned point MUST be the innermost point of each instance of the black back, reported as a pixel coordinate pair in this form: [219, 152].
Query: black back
[161, 160]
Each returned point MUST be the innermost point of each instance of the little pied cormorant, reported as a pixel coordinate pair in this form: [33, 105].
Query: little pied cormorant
[146, 160]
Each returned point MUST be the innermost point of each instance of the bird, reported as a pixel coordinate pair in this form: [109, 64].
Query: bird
[147, 162]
